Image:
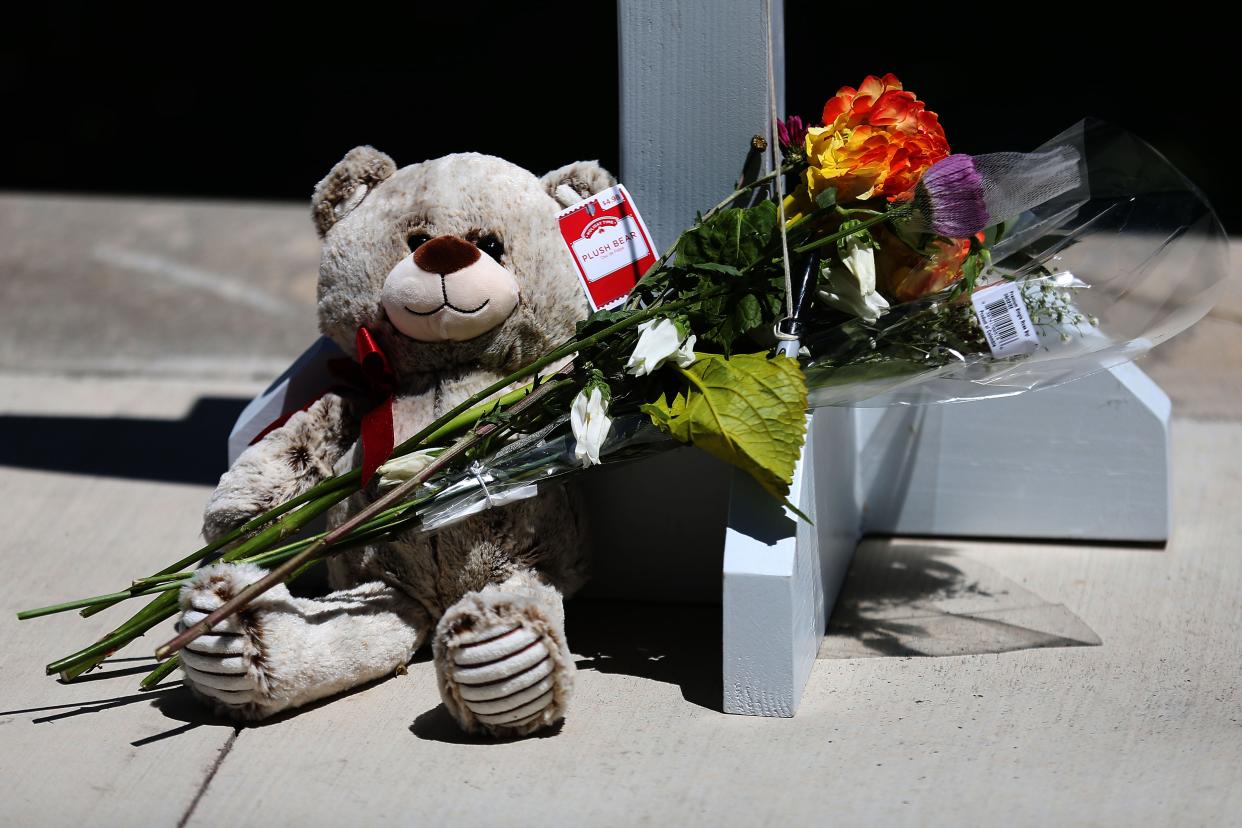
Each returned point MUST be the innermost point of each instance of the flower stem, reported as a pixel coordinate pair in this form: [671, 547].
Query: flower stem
[339, 483]
[154, 580]
[357, 539]
[72, 666]
[569, 347]
[165, 606]
[314, 502]
[109, 600]
[161, 672]
[156, 584]
[835, 237]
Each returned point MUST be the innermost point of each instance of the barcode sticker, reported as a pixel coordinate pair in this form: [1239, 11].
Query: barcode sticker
[1005, 321]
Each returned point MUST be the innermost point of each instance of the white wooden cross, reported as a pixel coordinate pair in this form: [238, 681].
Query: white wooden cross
[1085, 461]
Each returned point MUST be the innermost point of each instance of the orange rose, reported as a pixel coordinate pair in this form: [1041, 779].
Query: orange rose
[876, 141]
[903, 274]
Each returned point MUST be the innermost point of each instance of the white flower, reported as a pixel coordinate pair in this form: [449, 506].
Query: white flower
[400, 469]
[659, 340]
[588, 417]
[853, 290]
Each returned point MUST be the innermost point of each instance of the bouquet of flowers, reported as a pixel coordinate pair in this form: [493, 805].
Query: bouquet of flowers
[871, 267]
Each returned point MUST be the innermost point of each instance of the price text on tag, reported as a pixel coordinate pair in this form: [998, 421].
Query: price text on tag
[1005, 320]
[609, 244]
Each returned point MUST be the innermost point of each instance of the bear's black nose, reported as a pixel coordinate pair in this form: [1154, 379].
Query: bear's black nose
[445, 255]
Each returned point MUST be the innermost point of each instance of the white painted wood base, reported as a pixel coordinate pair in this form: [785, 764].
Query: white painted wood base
[782, 574]
[1088, 460]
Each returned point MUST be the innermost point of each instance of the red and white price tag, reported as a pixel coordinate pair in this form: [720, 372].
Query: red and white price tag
[609, 244]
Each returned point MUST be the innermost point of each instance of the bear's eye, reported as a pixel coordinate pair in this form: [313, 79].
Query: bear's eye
[492, 246]
[415, 241]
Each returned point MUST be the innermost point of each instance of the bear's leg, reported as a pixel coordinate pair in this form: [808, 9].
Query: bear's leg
[283, 652]
[501, 659]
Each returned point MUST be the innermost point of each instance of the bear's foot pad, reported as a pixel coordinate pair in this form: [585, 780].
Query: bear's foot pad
[504, 676]
[224, 666]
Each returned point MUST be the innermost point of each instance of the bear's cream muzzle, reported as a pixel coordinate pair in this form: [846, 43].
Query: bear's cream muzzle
[447, 290]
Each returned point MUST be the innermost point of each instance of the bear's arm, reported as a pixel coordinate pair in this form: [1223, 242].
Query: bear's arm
[284, 464]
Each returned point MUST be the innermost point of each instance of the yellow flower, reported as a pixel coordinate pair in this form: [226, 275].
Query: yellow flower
[876, 141]
[854, 161]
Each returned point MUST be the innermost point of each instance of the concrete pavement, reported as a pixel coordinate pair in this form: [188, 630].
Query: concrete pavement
[1108, 692]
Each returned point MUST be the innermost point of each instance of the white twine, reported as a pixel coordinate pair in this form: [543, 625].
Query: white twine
[477, 469]
[777, 160]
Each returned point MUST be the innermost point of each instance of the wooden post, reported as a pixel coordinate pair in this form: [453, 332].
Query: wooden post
[694, 90]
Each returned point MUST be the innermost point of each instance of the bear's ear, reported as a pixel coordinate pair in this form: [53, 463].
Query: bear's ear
[574, 182]
[343, 189]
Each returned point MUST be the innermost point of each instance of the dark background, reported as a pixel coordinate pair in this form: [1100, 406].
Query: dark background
[258, 103]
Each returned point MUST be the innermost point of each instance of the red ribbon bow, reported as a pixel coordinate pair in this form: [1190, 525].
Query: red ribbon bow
[372, 381]
[380, 384]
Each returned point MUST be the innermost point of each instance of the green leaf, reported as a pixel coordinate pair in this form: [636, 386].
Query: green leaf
[725, 267]
[791, 507]
[725, 319]
[972, 268]
[748, 410]
[714, 267]
[734, 237]
[827, 198]
[599, 320]
[748, 314]
[854, 237]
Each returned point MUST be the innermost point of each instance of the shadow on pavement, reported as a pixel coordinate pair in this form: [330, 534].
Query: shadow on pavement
[189, 450]
[438, 725]
[910, 600]
[165, 697]
[82, 708]
[673, 643]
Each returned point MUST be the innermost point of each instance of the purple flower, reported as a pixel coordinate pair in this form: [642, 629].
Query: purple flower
[952, 190]
[791, 133]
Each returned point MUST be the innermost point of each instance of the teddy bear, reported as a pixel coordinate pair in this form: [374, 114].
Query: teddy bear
[456, 268]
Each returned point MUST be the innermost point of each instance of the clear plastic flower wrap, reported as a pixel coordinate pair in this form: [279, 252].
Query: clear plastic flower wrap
[1108, 269]
[516, 471]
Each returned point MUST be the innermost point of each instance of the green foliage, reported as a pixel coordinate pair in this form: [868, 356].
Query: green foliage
[727, 267]
[748, 410]
[595, 379]
[976, 262]
[854, 234]
[735, 237]
[599, 320]
[713, 267]
[723, 320]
